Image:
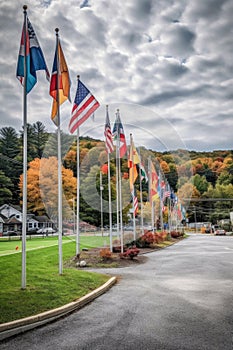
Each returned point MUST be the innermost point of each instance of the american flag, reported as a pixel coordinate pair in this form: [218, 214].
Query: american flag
[119, 135]
[108, 134]
[84, 106]
[135, 203]
[167, 192]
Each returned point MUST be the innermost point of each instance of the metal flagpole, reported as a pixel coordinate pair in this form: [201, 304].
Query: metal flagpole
[169, 216]
[24, 221]
[119, 185]
[78, 196]
[109, 203]
[59, 159]
[120, 204]
[117, 180]
[151, 200]
[78, 199]
[140, 187]
[160, 201]
[131, 182]
[101, 204]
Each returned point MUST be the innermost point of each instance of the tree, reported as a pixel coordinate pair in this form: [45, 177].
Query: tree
[6, 187]
[43, 187]
[10, 162]
[41, 137]
[9, 142]
[200, 183]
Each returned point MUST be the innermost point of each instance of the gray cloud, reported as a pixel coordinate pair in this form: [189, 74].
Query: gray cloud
[174, 57]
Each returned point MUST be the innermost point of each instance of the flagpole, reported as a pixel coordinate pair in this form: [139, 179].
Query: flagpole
[24, 221]
[132, 182]
[59, 159]
[140, 187]
[169, 216]
[78, 194]
[160, 201]
[109, 203]
[109, 197]
[101, 204]
[120, 205]
[117, 183]
[78, 199]
[150, 197]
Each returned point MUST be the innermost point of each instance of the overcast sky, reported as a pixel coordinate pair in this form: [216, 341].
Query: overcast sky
[166, 64]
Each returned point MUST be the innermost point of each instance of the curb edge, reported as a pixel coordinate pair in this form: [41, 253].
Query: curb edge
[18, 326]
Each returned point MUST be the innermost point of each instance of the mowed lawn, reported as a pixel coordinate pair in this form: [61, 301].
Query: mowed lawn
[46, 289]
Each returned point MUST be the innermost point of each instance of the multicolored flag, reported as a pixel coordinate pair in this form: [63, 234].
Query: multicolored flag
[132, 163]
[60, 82]
[154, 182]
[34, 58]
[108, 134]
[143, 173]
[84, 106]
[119, 135]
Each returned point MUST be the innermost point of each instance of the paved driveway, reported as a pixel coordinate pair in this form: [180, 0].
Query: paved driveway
[180, 299]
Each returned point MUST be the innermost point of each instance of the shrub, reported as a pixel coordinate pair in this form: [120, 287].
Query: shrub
[176, 234]
[117, 248]
[160, 236]
[130, 253]
[146, 240]
[105, 254]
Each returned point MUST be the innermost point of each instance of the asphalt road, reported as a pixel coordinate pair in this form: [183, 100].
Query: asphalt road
[180, 299]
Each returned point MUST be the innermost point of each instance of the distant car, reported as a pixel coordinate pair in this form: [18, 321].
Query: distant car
[218, 231]
[10, 233]
[46, 230]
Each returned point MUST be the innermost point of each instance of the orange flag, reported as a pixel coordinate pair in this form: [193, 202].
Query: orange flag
[154, 181]
[63, 81]
[133, 160]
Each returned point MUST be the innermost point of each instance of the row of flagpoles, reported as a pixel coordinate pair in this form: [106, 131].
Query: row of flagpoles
[30, 60]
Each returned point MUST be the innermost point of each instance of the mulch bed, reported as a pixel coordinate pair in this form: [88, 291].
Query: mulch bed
[94, 260]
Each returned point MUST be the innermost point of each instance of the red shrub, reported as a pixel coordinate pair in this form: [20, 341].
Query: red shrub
[130, 253]
[148, 238]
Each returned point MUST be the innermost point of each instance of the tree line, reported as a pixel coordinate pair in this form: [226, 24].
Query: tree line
[192, 174]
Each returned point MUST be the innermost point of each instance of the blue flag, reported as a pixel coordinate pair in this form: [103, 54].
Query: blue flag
[34, 58]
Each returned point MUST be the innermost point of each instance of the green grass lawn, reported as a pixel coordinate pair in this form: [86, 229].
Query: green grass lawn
[46, 289]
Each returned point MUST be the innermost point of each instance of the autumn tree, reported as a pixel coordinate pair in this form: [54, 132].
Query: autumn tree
[42, 179]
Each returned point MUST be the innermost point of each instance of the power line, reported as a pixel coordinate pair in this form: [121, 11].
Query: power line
[206, 199]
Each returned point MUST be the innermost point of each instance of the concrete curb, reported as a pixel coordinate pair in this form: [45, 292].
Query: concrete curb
[18, 326]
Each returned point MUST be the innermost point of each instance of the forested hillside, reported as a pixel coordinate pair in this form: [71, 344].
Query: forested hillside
[198, 178]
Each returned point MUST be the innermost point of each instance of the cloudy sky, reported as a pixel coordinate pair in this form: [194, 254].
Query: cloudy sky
[166, 64]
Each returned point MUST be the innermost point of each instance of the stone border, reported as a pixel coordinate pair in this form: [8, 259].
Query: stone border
[18, 326]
